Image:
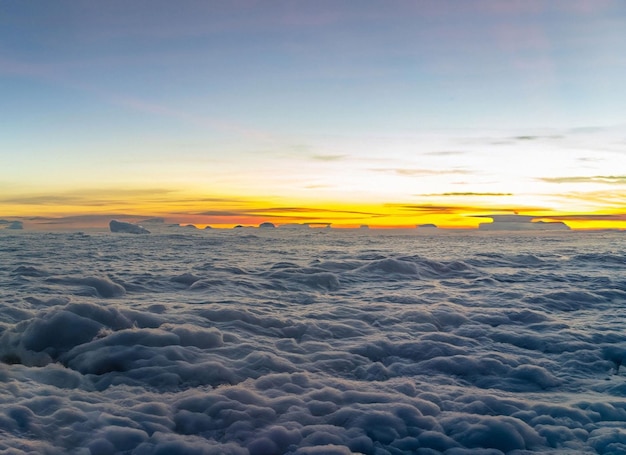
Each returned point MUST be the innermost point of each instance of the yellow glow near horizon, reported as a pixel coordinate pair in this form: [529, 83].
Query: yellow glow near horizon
[93, 208]
[380, 182]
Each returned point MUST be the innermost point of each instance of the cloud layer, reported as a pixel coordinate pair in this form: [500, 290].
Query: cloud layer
[310, 342]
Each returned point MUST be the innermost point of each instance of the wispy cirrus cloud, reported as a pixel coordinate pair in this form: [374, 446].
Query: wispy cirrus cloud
[431, 209]
[62, 74]
[421, 172]
[591, 217]
[111, 202]
[285, 212]
[461, 194]
[315, 210]
[324, 157]
[281, 215]
[607, 179]
[89, 197]
[445, 153]
[609, 199]
[189, 117]
[316, 186]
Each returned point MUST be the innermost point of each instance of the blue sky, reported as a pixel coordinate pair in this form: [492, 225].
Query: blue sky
[177, 94]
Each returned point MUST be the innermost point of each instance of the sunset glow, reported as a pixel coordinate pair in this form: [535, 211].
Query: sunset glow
[381, 114]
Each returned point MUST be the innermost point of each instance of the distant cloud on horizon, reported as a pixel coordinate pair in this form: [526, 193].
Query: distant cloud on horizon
[82, 219]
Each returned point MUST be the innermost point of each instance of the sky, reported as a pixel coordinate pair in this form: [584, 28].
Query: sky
[386, 113]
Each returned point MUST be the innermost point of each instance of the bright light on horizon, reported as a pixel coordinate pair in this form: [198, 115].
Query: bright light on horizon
[421, 113]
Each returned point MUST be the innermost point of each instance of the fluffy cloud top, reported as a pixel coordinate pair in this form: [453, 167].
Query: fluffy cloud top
[256, 344]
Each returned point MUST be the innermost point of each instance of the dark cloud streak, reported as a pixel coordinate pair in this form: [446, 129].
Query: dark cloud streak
[281, 212]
